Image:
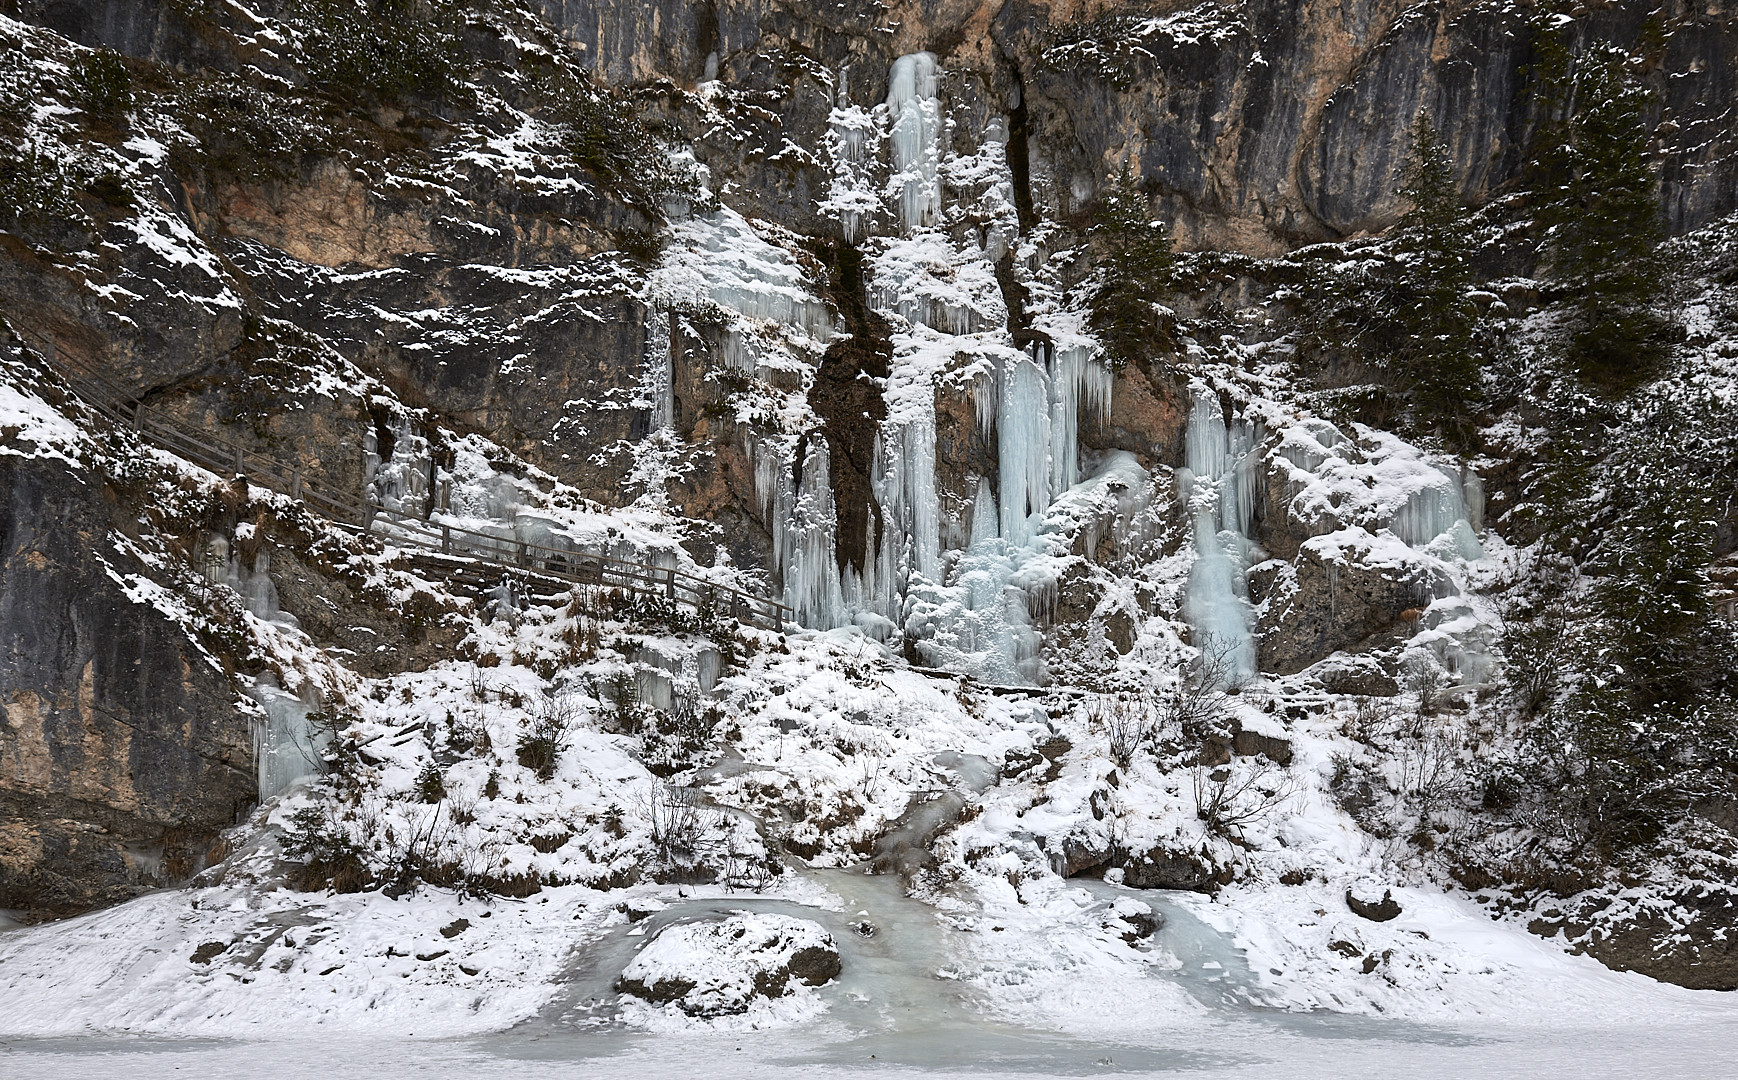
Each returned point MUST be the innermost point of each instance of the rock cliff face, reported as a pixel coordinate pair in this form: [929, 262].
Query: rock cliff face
[1263, 125]
[125, 752]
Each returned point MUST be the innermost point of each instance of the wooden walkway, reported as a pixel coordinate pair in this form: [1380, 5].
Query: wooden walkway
[464, 557]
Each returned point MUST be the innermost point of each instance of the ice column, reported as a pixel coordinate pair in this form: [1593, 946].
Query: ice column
[915, 124]
[286, 746]
[803, 522]
[1023, 430]
[904, 485]
[1037, 415]
[658, 390]
[1075, 379]
[1219, 479]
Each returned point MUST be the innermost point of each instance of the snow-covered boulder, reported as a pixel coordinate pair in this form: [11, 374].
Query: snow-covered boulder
[1346, 588]
[719, 967]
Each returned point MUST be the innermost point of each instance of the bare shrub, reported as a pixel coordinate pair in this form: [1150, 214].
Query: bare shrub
[1231, 799]
[1423, 676]
[1431, 768]
[874, 768]
[1196, 705]
[467, 734]
[548, 733]
[680, 827]
[479, 684]
[1372, 719]
[425, 852]
[1128, 723]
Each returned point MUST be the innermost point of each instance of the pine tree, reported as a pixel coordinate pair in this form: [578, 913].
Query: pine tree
[1135, 252]
[1436, 321]
[1651, 721]
[1400, 310]
[1602, 214]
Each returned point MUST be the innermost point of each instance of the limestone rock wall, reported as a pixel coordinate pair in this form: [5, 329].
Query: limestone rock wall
[123, 753]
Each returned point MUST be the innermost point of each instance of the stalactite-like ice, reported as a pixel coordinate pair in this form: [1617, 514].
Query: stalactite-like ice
[1219, 480]
[985, 524]
[1023, 430]
[903, 480]
[804, 524]
[718, 258]
[914, 131]
[286, 745]
[980, 620]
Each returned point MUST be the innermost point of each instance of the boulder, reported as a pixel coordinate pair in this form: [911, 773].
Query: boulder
[1133, 920]
[1349, 587]
[1375, 910]
[1162, 868]
[721, 967]
[1080, 852]
[1360, 675]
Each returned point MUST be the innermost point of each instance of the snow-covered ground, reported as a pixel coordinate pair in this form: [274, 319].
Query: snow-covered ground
[1248, 1045]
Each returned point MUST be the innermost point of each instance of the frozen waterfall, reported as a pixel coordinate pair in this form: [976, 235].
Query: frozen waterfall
[287, 746]
[1218, 480]
[797, 504]
[915, 124]
[1037, 427]
[981, 620]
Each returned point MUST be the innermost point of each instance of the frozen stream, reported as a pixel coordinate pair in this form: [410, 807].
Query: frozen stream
[1305, 1048]
[900, 1009]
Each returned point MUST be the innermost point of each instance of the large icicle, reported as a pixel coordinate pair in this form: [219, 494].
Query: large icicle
[286, 745]
[1023, 428]
[803, 523]
[1219, 477]
[904, 486]
[915, 135]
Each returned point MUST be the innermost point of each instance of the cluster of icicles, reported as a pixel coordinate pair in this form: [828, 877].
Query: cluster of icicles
[965, 596]
[970, 611]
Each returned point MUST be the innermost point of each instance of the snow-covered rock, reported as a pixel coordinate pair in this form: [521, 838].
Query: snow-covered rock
[721, 967]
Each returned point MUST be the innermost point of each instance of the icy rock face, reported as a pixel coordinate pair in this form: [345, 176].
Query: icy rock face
[1378, 535]
[722, 967]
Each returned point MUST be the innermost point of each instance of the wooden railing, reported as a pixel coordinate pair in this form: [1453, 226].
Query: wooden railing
[442, 542]
[580, 567]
